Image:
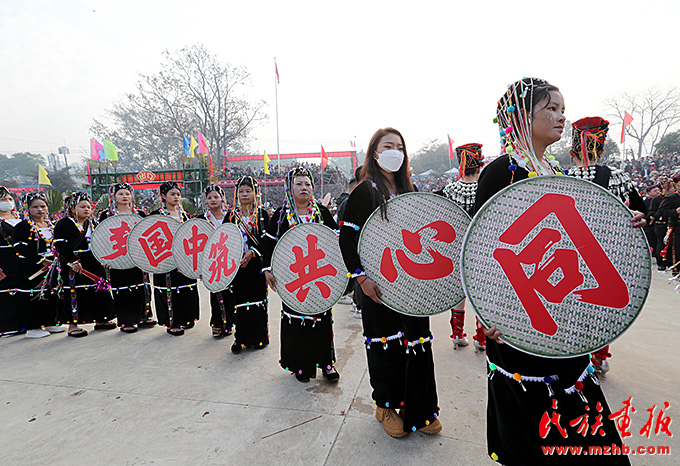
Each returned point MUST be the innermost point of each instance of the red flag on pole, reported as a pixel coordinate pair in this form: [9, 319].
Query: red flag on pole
[626, 121]
[224, 159]
[276, 68]
[451, 151]
[324, 158]
[210, 166]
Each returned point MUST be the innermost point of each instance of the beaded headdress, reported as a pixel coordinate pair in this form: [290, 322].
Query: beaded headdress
[165, 188]
[469, 156]
[514, 117]
[113, 189]
[291, 207]
[28, 198]
[588, 137]
[73, 200]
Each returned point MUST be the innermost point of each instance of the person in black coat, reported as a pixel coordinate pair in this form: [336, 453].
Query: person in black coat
[33, 239]
[400, 380]
[306, 344]
[669, 210]
[652, 203]
[131, 288]
[9, 277]
[81, 299]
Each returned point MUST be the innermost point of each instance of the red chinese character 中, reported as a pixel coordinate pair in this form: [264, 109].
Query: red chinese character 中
[553, 420]
[611, 290]
[194, 245]
[220, 253]
[622, 417]
[119, 238]
[308, 271]
[662, 422]
[439, 267]
[156, 242]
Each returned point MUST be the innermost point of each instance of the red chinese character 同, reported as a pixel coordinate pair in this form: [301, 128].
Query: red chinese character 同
[622, 419]
[220, 253]
[439, 267]
[611, 290]
[194, 245]
[119, 238]
[156, 242]
[548, 421]
[662, 422]
[308, 271]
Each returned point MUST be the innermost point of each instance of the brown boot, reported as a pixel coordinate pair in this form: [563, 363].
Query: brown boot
[391, 422]
[433, 427]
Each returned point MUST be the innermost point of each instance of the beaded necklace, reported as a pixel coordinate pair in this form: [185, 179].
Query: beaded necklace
[212, 219]
[37, 231]
[164, 211]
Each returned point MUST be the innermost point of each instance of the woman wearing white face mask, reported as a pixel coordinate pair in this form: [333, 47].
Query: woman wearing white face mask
[9, 318]
[399, 380]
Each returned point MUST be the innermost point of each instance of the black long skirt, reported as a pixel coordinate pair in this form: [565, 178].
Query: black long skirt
[10, 321]
[251, 306]
[401, 374]
[306, 342]
[176, 298]
[129, 296]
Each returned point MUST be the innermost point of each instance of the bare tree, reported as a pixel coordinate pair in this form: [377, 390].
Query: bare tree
[193, 92]
[654, 111]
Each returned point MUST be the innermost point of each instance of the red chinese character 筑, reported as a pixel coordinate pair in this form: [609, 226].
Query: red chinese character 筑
[440, 266]
[308, 271]
[622, 419]
[553, 420]
[611, 290]
[156, 242]
[194, 245]
[119, 238]
[220, 253]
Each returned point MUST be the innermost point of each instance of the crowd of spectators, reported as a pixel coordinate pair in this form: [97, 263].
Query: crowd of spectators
[650, 171]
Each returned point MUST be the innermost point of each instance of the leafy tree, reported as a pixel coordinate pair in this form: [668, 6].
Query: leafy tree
[433, 156]
[669, 144]
[20, 168]
[654, 111]
[193, 92]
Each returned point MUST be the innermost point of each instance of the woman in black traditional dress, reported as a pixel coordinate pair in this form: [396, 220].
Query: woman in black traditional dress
[176, 296]
[131, 288]
[304, 346]
[400, 380]
[669, 209]
[80, 301]
[9, 278]
[222, 302]
[249, 286]
[33, 239]
[519, 423]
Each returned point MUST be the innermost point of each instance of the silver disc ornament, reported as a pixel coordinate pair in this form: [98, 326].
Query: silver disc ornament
[414, 255]
[109, 241]
[555, 264]
[150, 244]
[190, 240]
[221, 257]
[310, 273]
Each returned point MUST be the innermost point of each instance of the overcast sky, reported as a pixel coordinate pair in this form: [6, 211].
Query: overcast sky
[347, 68]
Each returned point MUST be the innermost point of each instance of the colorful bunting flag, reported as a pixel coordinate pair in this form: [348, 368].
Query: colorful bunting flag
[627, 119]
[96, 150]
[324, 158]
[451, 151]
[42, 176]
[186, 147]
[266, 163]
[194, 145]
[110, 151]
[203, 145]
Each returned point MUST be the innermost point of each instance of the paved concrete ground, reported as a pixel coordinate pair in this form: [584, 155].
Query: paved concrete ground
[150, 398]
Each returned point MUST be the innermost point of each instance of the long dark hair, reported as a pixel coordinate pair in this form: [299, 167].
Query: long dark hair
[371, 171]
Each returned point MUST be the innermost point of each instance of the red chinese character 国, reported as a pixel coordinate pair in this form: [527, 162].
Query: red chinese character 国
[119, 238]
[219, 252]
[439, 267]
[194, 245]
[156, 242]
[611, 290]
[308, 271]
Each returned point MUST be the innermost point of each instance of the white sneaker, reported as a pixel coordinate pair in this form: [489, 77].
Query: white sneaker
[345, 300]
[462, 341]
[479, 347]
[37, 333]
[357, 313]
[56, 328]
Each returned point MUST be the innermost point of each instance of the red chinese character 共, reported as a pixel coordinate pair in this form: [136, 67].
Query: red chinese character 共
[220, 253]
[119, 238]
[622, 419]
[611, 290]
[662, 422]
[439, 267]
[194, 245]
[554, 419]
[156, 242]
[308, 271]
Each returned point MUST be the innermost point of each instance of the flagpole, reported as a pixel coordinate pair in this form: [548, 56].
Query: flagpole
[322, 172]
[276, 98]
